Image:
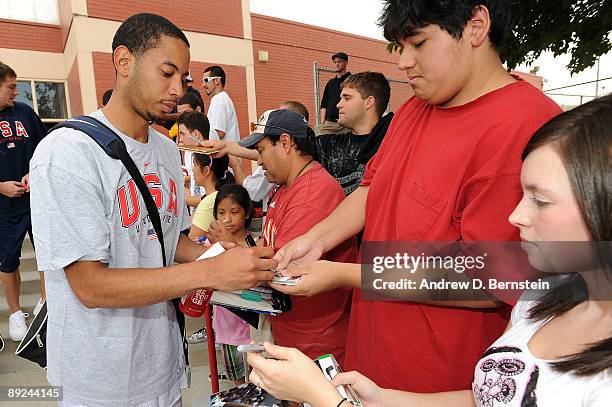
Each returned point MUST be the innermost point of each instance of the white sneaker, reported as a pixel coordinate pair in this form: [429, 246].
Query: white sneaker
[17, 325]
[38, 306]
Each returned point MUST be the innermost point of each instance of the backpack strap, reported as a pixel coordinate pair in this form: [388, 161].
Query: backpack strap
[114, 147]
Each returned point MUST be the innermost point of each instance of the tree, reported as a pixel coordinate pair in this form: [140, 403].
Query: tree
[580, 28]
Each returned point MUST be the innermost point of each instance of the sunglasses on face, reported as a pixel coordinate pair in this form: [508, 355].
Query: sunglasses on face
[207, 79]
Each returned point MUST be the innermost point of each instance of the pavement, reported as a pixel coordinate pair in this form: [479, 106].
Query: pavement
[16, 371]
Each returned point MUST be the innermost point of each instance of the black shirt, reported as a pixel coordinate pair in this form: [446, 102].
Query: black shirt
[338, 155]
[196, 92]
[345, 156]
[20, 132]
[331, 97]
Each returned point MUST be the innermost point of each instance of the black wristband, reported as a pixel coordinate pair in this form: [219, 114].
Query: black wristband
[342, 401]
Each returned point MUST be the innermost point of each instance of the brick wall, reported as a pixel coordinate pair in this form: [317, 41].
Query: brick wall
[235, 86]
[65, 17]
[74, 90]
[293, 47]
[104, 73]
[30, 36]
[222, 17]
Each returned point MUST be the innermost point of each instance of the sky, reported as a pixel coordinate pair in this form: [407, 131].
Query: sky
[359, 17]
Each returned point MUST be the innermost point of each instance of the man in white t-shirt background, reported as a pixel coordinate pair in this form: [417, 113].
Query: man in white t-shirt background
[221, 111]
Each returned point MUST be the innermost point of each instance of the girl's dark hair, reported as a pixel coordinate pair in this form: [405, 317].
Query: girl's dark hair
[583, 139]
[401, 19]
[238, 194]
[219, 167]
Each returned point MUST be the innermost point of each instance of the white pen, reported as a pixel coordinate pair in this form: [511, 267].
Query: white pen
[254, 347]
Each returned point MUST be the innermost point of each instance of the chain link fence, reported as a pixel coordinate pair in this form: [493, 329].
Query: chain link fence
[400, 90]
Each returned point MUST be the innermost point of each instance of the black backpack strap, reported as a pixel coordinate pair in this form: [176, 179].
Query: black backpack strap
[115, 147]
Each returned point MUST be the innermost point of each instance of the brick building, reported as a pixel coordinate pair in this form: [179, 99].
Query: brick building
[61, 51]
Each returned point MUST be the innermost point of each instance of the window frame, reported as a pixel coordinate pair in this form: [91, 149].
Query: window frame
[35, 14]
[35, 101]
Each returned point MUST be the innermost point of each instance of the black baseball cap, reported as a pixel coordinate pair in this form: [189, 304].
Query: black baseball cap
[275, 123]
[340, 55]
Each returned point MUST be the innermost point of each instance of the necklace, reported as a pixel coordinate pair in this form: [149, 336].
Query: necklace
[278, 186]
[303, 168]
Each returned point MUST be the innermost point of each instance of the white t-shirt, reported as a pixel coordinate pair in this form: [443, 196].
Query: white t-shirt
[258, 187]
[194, 188]
[86, 207]
[509, 375]
[222, 116]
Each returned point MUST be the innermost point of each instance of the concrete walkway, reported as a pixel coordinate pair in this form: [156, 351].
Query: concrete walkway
[15, 371]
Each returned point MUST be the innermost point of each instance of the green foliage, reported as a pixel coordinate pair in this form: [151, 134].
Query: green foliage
[580, 28]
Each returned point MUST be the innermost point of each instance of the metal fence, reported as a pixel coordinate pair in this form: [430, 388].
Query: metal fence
[400, 90]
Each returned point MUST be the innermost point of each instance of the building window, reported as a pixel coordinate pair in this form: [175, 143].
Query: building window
[38, 11]
[48, 99]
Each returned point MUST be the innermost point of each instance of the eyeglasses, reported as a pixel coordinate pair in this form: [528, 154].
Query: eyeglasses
[207, 79]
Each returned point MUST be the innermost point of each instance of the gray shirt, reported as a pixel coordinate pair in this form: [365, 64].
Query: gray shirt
[85, 206]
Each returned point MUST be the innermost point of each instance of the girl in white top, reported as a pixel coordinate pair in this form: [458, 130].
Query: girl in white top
[557, 349]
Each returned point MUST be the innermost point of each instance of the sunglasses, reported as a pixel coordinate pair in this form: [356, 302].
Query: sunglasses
[253, 127]
[207, 79]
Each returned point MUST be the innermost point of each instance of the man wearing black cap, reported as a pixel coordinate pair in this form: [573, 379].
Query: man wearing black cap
[306, 195]
[191, 89]
[331, 97]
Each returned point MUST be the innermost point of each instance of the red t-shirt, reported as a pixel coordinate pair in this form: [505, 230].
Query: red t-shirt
[441, 174]
[317, 325]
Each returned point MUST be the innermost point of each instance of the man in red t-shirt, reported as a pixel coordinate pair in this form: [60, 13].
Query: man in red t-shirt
[306, 195]
[448, 170]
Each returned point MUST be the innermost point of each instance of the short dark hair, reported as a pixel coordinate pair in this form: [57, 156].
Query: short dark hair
[238, 194]
[370, 84]
[192, 100]
[304, 146]
[194, 120]
[297, 107]
[142, 32]
[216, 70]
[106, 96]
[6, 72]
[401, 19]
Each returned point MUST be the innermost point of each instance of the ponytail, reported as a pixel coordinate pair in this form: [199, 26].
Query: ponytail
[220, 169]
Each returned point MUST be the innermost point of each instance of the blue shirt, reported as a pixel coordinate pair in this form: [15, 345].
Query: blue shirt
[20, 132]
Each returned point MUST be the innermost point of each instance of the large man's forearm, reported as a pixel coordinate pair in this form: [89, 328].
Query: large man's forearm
[421, 285]
[349, 275]
[335, 229]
